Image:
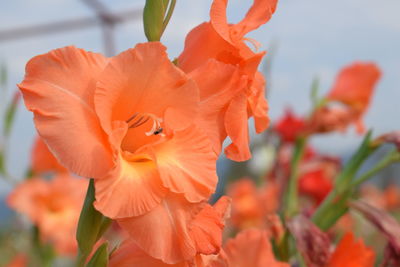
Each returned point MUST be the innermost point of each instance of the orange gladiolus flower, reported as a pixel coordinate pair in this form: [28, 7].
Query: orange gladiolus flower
[43, 160]
[128, 121]
[353, 88]
[209, 47]
[351, 253]
[250, 205]
[249, 248]
[54, 206]
[177, 230]
[355, 85]
[20, 260]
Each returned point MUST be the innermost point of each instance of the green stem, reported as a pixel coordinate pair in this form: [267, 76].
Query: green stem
[169, 14]
[81, 259]
[392, 157]
[91, 226]
[45, 252]
[291, 196]
[335, 204]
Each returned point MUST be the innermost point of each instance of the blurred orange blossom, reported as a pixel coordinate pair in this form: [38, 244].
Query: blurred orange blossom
[54, 206]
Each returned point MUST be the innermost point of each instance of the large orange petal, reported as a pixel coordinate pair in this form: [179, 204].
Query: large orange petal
[58, 88]
[131, 189]
[129, 254]
[355, 84]
[207, 226]
[206, 232]
[260, 13]
[187, 164]
[143, 80]
[203, 43]
[352, 253]
[165, 233]
[42, 159]
[258, 104]
[251, 248]
[237, 129]
[218, 84]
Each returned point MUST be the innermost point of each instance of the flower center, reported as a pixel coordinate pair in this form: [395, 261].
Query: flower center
[143, 129]
[138, 119]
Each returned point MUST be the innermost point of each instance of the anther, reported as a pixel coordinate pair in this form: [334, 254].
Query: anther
[139, 119]
[158, 131]
[132, 117]
[140, 122]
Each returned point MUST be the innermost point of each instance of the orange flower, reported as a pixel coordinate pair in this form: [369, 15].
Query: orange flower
[54, 206]
[251, 206]
[20, 260]
[249, 248]
[387, 199]
[329, 119]
[355, 85]
[177, 230]
[208, 49]
[353, 88]
[129, 122]
[351, 253]
[43, 160]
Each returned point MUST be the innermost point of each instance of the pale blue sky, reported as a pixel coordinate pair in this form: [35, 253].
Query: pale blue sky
[313, 37]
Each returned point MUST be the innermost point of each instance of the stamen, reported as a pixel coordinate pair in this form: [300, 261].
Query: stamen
[133, 116]
[141, 118]
[139, 122]
[255, 44]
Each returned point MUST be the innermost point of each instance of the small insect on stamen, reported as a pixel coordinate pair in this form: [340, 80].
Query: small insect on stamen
[158, 131]
[139, 119]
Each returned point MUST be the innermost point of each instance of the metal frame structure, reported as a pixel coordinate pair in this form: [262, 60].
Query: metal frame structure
[104, 17]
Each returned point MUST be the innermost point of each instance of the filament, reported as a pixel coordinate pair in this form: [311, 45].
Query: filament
[138, 119]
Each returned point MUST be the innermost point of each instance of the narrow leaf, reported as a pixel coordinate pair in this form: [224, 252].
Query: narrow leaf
[100, 257]
[90, 223]
[10, 114]
[3, 75]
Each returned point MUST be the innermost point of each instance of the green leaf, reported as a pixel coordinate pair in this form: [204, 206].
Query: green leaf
[10, 115]
[348, 173]
[92, 224]
[100, 258]
[291, 200]
[3, 75]
[2, 163]
[153, 19]
[335, 204]
[315, 91]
